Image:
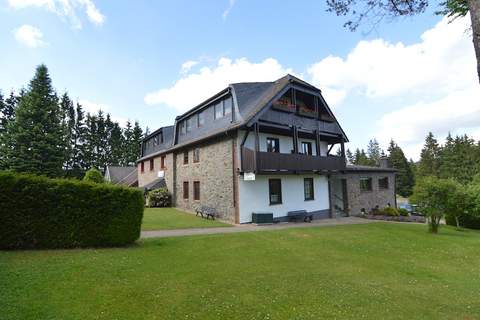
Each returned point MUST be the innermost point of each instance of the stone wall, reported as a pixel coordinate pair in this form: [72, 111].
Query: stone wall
[214, 171]
[358, 199]
[150, 175]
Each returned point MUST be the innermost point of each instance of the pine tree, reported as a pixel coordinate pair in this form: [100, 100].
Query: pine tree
[404, 178]
[134, 146]
[90, 156]
[429, 157]
[459, 159]
[361, 158]
[116, 144]
[68, 125]
[36, 133]
[350, 157]
[78, 164]
[374, 151]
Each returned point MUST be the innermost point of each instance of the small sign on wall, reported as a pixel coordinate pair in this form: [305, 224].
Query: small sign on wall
[161, 174]
[249, 176]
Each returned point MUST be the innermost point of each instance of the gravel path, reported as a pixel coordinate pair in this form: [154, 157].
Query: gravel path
[252, 228]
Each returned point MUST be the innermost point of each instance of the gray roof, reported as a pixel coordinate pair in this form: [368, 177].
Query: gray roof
[250, 99]
[155, 184]
[122, 175]
[359, 168]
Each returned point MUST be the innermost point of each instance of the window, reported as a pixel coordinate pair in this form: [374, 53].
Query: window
[162, 162]
[155, 140]
[275, 191]
[201, 119]
[307, 148]
[161, 137]
[185, 157]
[182, 127]
[152, 165]
[189, 124]
[142, 167]
[365, 184]
[305, 103]
[273, 145]
[196, 155]
[185, 189]
[285, 103]
[227, 106]
[308, 189]
[218, 110]
[383, 183]
[196, 190]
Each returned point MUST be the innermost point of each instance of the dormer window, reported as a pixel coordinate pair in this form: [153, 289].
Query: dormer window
[189, 124]
[201, 119]
[182, 127]
[227, 106]
[305, 104]
[285, 102]
[218, 110]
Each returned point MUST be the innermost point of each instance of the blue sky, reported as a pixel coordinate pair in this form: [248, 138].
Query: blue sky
[127, 57]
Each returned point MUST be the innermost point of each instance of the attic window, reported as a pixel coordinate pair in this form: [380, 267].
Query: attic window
[182, 127]
[227, 106]
[305, 103]
[189, 124]
[285, 102]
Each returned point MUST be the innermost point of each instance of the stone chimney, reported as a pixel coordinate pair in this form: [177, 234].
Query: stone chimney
[383, 162]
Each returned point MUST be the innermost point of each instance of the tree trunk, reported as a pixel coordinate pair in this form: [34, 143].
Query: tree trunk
[458, 222]
[474, 7]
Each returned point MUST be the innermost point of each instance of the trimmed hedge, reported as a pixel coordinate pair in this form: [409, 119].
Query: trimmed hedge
[38, 212]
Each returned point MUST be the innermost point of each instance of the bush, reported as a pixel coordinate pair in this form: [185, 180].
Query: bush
[159, 198]
[403, 212]
[93, 175]
[390, 211]
[37, 212]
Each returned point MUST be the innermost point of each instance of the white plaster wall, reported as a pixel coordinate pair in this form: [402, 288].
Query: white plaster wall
[254, 195]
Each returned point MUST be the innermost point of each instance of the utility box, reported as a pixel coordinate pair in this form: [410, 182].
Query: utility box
[262, 217]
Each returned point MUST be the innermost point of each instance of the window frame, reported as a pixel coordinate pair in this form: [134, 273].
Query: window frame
[152, 164]
[189, 124]
[182, 128]
[162, 162]
[224, 106]
[186, 190]
[218, 105]
[310, 148]
[277, 142]
[196, 190]
[185, 157]
[142, 167]
[196, 155]
[201, 115]
[380, 187]
[270, 185]
[362, 187]
[312, 196]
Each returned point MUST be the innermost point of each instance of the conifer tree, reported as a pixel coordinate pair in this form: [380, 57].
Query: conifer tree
[429, 157]
[374, 151]
[404, 178]
[36, 138]
[361, 158]
[350, 157]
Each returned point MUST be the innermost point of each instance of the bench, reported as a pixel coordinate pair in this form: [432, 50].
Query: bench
[300, 214]
[206, 212]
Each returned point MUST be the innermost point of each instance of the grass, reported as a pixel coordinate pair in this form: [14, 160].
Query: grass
[374, 271]
[171, 218]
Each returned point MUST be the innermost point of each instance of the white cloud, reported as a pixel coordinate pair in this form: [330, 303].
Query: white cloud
[29, 36]
[440, 63]
[65, 9]
[225, 13]
[187, 65]
[193, 88]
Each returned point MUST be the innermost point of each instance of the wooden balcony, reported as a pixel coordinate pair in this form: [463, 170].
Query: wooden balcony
[270, 162]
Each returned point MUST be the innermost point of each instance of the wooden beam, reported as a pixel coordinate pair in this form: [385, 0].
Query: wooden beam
[330, 149]
[317, 143]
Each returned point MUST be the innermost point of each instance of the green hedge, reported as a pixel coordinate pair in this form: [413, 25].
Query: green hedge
[38, 212]
[466, 221]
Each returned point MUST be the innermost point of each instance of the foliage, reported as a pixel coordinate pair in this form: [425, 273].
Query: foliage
[159, 198]
[403, 212]
[429, 157]
[390, 211]
[374, 152]
[435, 197]
[171, 218]
[93, 175]
[42, 134]
[376, 270]
[404, 178]
[38, 212]
[454, 8]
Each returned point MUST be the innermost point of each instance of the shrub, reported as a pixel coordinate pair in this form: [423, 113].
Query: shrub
[403, 212]
[390, 211]
[37, 212]
[93, 175]
[159, 198]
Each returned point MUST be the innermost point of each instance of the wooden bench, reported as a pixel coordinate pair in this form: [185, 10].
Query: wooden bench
[300, 214]
[206, 212]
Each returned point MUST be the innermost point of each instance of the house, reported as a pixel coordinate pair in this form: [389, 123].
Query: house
[126, 176]
[262, 147]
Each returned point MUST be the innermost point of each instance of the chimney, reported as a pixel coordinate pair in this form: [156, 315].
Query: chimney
[383, 162]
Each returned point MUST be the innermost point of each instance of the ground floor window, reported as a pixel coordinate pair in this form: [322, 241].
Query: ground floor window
[365, 184]
[196, 190]
[383, 183]
[185, 190]
[308, 189]
[275, 191]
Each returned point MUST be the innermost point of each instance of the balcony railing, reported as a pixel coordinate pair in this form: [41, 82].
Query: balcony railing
[271, 161]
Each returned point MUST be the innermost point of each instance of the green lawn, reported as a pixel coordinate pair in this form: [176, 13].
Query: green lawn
[374, 271]
[171, 218]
